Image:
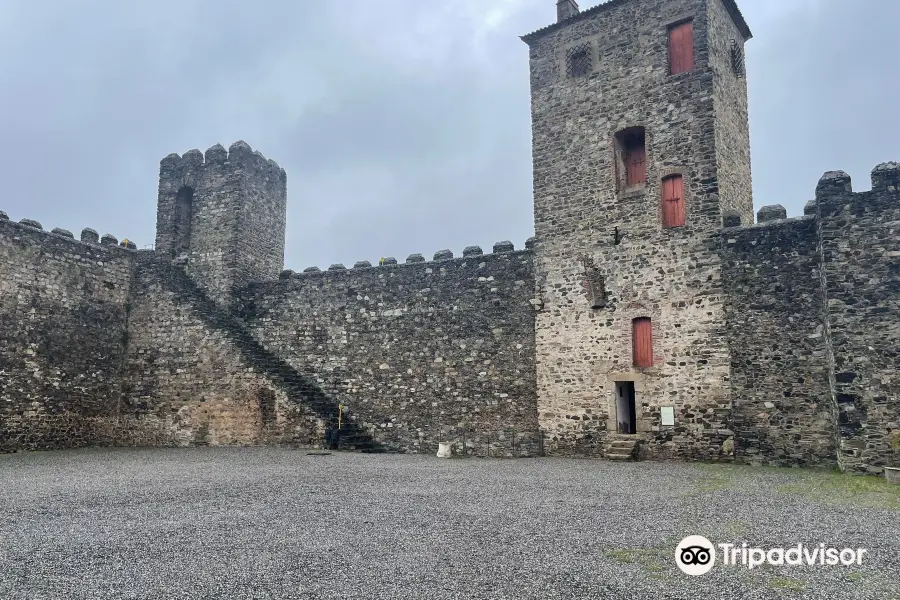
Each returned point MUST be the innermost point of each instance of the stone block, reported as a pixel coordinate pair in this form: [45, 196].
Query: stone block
[504, 246]
[62, 232]
[810, 208]
[90, 236]
[772, 212]
[886, 177]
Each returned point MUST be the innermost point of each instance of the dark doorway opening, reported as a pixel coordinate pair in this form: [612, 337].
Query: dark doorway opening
[266, 399]
[626, 408]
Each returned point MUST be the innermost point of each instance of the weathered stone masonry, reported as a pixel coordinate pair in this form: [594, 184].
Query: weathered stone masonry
[775, 310]
[63, 310]
[859, 237]
[744, 357]
[813, 325]
[222, 214]
[194, 376]
[769, 343]
[584, 210]
[421, 352]
[417, 353]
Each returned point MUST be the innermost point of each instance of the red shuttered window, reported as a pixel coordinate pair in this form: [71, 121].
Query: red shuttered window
[642, 342]
[635, 159]
[681, 48]
[673, 201]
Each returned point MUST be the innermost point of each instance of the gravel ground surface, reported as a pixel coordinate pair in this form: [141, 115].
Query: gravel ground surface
[275, 523]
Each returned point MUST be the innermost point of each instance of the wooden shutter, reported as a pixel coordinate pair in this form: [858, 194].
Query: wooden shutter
[642, 342]
[635, 162]
[673, 201]
[681, 48]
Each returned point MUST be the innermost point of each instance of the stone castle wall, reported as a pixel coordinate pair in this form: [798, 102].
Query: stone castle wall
[419, 353]
[63, 312]
[191, 377]
[859, 236]
[105, 345]
[773, 343]
[813, 322]
[775, 312]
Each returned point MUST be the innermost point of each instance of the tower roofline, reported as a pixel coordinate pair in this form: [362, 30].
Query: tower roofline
[731, 5]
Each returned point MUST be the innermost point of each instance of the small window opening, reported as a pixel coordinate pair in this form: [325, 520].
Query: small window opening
[632, 156]
[737, 59]
[626, 408]
[681, 48]
[673, 214]
[578, 61]
[642, 342]
[184, 208]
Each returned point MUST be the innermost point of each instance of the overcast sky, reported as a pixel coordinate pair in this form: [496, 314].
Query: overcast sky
[403, 125]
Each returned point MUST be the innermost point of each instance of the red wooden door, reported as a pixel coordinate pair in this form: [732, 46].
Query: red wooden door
[673, 201]
[681, 48]
[635, 164]
[642, 342]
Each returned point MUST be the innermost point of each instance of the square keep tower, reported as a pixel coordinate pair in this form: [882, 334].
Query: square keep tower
[641, 146]
[222, 215]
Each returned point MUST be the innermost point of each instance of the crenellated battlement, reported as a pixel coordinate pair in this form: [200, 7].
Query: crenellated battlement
[885, 179]
[222, 215]
[88, 235]
[441, 256]
[238, 156]
[833, 184]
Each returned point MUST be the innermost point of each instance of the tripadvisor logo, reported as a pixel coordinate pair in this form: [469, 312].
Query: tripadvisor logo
[696, 555]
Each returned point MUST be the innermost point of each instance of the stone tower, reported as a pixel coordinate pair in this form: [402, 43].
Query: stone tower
[641, 146]
[222, 214]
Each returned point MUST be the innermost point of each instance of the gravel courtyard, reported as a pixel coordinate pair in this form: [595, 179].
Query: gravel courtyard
[241, 523]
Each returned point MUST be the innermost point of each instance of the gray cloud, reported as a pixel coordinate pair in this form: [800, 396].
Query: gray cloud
[404, 126]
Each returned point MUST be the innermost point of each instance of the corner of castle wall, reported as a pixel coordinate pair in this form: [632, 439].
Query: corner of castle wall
[858, 257]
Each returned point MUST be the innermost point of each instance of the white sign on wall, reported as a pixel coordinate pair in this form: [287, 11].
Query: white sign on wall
[668, 416]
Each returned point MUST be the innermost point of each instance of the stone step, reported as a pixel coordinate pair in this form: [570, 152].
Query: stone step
[623, 448]
[619, 456]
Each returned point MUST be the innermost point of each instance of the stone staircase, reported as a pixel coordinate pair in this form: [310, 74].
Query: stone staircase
[623, 448]
[299, 387]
